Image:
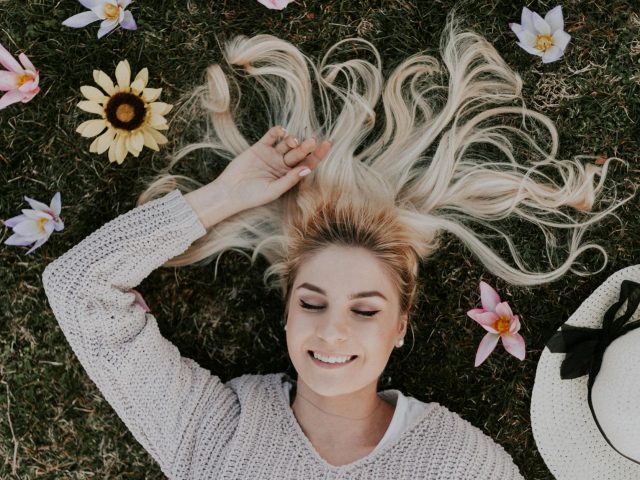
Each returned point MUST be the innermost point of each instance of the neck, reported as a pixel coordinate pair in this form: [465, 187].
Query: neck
[359, 418]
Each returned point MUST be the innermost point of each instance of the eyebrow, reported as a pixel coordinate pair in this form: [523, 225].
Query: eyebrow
[372, 293]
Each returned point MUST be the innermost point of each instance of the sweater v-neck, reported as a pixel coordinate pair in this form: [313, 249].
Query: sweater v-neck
[291, 419]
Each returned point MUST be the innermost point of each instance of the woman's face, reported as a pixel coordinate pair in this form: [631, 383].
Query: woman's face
[367, 326]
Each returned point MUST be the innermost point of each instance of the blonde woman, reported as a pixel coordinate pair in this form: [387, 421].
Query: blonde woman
[343, 246]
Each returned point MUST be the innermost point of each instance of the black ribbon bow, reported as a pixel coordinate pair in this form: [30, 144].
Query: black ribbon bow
[585, 347]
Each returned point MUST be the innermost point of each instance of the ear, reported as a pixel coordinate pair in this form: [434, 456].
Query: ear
[402, 326]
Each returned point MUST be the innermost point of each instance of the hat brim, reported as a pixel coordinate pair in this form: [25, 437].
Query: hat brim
[564, 430]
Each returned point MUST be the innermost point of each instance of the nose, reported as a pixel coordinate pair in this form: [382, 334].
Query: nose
[333, 328]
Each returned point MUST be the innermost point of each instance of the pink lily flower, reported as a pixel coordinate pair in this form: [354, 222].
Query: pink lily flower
[140, 300]
[275, 4]
[19, 81]
[499, 321]
[35, 224]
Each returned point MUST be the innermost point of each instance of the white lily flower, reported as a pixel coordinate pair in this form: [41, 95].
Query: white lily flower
[111, 12]
[35, 224]
[544, 37]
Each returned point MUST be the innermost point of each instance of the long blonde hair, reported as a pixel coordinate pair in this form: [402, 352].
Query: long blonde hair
[393, 180]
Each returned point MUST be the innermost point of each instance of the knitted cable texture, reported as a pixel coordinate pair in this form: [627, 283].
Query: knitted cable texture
[191, 423]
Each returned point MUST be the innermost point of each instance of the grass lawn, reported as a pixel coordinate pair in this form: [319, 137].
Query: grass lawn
[54, 422]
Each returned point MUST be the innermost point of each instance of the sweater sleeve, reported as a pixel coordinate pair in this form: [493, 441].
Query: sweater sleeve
[158, 394]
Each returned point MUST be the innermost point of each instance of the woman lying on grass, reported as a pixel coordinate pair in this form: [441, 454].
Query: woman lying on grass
[343, 244]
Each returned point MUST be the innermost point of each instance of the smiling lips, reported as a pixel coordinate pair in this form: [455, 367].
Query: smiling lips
[324, 364]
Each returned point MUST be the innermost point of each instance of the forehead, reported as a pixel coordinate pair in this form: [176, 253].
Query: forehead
[345, 270]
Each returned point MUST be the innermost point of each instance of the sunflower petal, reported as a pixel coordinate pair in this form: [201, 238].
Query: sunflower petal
[123, 74]
[112, 152]
[121, 149]
[143, 76]
[160, 108]
[137, 86]
[103, 80]
[91, 128]
[91, 107]
[157, 121]
[92, 93]
[149, 141]
[151, 94]
[105, 140]
[93, 148]
[136, 141]
[157, 136]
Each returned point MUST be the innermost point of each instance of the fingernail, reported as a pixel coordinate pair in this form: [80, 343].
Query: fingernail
[304, 172]
[295, 140]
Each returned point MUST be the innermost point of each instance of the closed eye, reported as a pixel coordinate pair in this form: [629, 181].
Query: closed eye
[317, 307]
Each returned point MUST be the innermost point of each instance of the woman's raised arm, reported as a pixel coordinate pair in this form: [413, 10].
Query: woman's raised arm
[167, 401]
[161, 396]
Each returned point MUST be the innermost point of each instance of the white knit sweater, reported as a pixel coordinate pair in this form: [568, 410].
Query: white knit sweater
[194, 425]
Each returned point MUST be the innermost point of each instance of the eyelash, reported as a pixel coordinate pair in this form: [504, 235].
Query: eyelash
[315, 307]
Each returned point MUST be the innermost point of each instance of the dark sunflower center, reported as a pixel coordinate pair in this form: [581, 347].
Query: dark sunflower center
[125, 111]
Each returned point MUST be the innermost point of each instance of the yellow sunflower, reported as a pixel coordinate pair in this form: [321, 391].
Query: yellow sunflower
[129, 112]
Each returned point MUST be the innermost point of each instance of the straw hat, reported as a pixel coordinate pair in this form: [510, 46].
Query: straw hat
[587, 424]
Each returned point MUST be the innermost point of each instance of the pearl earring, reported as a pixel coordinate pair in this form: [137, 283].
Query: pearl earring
[285, 327]
[400, 343]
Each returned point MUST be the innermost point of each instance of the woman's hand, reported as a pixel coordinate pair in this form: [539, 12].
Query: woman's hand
[269, 168]
[257, 176]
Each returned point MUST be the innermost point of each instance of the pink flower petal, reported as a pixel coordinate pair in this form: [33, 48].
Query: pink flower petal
[12, 96]
[10, 63]
[487, 320]
[475, 311]
[515, 325]
[8, 80]
[140, 301]
[514, 344]
[504, 310]
[488, 296]
[487, 345]
[28, 96]
[26, 63]
[275, 4]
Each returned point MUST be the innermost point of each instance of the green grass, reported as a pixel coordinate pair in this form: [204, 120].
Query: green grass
[54, 415]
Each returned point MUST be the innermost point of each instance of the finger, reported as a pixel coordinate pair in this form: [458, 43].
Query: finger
[297, 154]
[286, 182]
[273, 135]
[318, 154]
[287, 144]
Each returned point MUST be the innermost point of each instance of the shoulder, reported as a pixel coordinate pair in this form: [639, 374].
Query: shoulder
[253, 385]
[469, 446]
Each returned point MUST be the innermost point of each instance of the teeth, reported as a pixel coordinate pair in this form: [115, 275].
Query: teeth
[331, 359]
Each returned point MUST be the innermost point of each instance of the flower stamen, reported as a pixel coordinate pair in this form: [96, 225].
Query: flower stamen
[125, 111]
[24, 78]
[502, 325]
[111, 11]
[544, 42]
